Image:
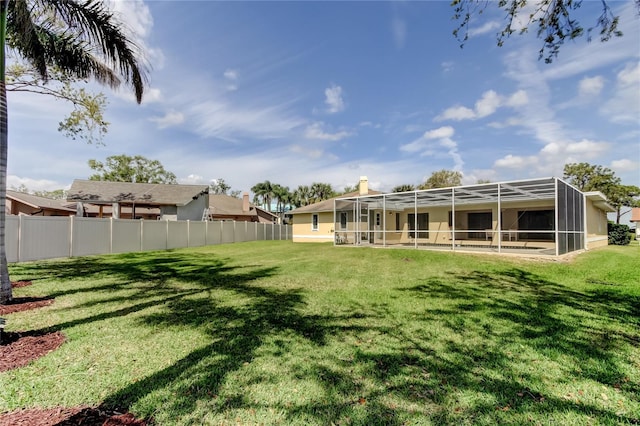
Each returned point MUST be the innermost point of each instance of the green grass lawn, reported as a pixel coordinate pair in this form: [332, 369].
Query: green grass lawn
[304, 334]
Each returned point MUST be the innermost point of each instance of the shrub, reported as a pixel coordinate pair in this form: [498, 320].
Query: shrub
[618, 234]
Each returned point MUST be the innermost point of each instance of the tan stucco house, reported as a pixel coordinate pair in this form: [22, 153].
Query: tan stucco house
[542, 216]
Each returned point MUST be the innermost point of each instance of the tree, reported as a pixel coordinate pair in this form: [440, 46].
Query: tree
[442, 179]
[321, 191]
[82, 39]
[554, 21]
[302, 196]
[263, 194]
[219, 187]
[404, 188]
[349, 188]
[86, 121]
[588, 177]
[137, 169]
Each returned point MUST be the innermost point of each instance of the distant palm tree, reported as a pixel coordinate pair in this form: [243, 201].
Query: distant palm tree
[321, 191]
[80, 38]
[263, 194]
[302, 196]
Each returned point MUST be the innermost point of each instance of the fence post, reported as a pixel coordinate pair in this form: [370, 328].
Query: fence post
[111, 235]
[141, 235]
[188, 233]
[20, 229]
[71, 235]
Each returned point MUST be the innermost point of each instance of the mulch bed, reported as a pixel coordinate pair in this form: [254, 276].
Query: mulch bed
[18, 284]
[19, 304]
[87, 416]
[18, 349]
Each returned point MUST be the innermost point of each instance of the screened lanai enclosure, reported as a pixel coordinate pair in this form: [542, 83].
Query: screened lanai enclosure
[542, 216]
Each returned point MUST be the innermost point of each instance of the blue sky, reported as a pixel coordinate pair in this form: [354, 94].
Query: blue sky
[298, 92]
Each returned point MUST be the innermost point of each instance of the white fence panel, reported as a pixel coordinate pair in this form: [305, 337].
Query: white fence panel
[44, 237]
[154, 235]
[35, 237]
[268, 235]
[197, 234]
[12, 238]
[241, 232]
[214, 233]
[227, 232]
[178, 234]
[126, 235]
[90, 236]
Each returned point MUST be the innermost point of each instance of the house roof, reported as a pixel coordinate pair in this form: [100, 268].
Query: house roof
[635, 214]
[221, 204]
[599, 200]
[39, 202]
[327, 205]
[152, 194]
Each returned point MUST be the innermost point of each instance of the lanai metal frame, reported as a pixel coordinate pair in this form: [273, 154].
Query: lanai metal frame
[363, 220]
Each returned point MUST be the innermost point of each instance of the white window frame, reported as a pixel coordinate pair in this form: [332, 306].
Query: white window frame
[315, 222]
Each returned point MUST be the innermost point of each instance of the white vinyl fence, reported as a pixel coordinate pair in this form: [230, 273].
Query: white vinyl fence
[37, 237]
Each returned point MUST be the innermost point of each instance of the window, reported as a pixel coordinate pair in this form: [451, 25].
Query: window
[343, 220]
[314, 222]
[423, 225]
[536, 220]
[479, 221]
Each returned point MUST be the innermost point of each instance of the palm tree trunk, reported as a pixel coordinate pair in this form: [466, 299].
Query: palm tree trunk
[5, 283]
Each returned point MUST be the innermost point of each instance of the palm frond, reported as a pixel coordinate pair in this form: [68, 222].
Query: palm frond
[82, 38]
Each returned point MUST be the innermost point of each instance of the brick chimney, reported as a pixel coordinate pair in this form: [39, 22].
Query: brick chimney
[245, 202]
[364, 185]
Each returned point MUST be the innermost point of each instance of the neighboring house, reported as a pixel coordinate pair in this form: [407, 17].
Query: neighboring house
[226, 207]
[635, 219]
[544, 216]
[314, 223]
[102, 211]
[175, 202]
[32, 205]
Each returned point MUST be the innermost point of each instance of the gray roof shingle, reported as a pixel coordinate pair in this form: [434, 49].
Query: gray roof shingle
[104, 192]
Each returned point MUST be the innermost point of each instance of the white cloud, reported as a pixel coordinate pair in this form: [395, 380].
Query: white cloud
[193, 179]
[313, 153]
[333, 99]
[516, 162]
[456, 113]
[488, 104]
[170, 119]
[590, 86]
[487, 27]
[624, 165]
[399, 31]
[624, 105]
[316, 131]
[485, 106]
[14, 181]
[447, 66]
[426, 146]
[229, 122]
[441, 132]
[519, 98]
[231, 76]
[587, 148]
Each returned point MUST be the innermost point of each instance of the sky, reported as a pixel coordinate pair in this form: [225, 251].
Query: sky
[303, 92]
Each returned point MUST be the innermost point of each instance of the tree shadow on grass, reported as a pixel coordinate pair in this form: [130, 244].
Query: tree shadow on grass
[449, 361]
